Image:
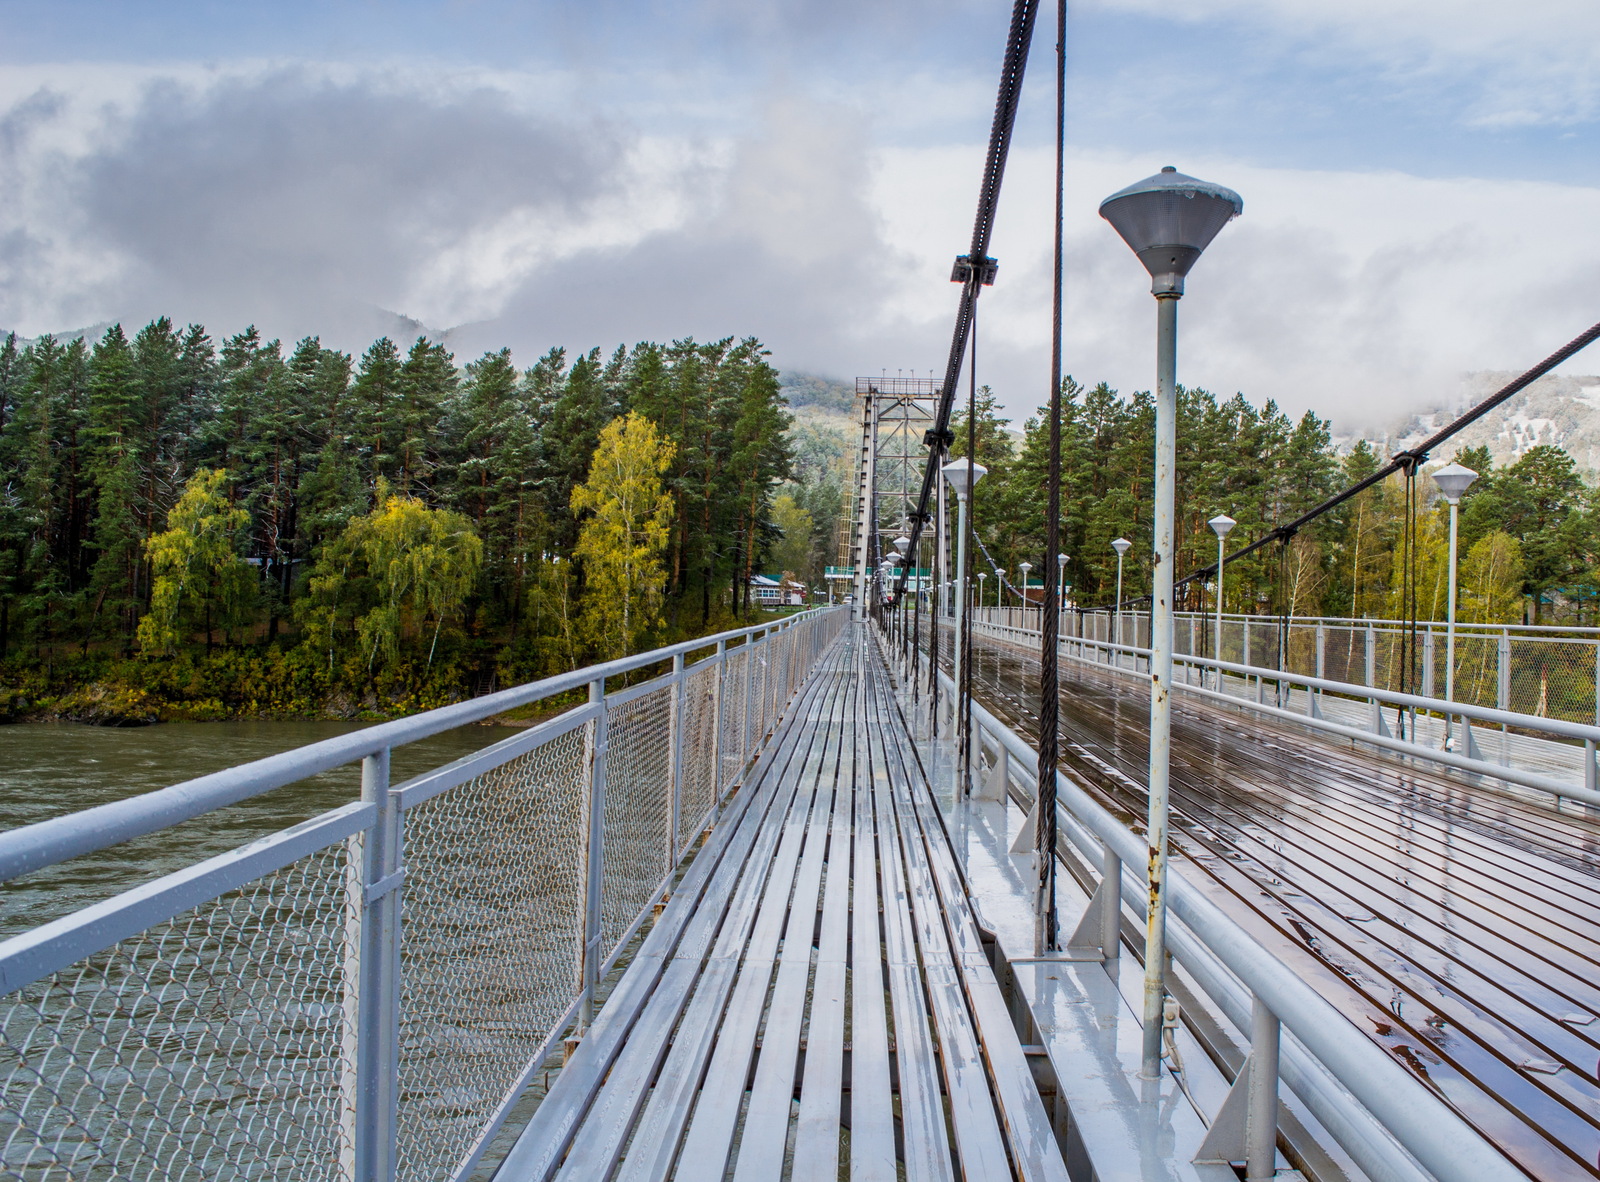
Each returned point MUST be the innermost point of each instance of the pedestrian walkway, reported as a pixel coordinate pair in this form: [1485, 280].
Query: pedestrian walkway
[816, 994]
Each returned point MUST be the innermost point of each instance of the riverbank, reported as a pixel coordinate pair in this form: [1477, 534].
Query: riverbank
[230, 685]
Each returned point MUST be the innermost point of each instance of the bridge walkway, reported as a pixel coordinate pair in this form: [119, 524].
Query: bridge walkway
[816, 992]
[1453, 924]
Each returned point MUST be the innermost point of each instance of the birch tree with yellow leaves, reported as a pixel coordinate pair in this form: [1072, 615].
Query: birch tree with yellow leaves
[625, 519]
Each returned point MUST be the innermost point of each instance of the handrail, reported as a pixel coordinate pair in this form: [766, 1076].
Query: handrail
[1419, 1121]
[1584, 633]
[32, 847]
[1589, 735]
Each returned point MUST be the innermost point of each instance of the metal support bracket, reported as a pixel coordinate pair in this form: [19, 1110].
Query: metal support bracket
[1027, 836]
[1089, 939]
[995, 783]
[383, 886]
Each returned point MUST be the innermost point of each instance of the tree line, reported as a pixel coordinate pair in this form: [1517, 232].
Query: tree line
[1529, 532]
[397, 515]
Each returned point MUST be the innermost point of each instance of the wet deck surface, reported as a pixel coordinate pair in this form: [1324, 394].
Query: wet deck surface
[1457, 927]
[816, 997]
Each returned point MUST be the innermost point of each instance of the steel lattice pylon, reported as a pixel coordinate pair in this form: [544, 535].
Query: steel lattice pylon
[895, 416]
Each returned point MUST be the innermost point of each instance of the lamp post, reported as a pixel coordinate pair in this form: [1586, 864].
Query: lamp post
[1167, 220]
[1025, 568]
[955, 473]
[1061, 586]
[982, 575]
[1453, 481]
[1121, 547]
[1221, 525]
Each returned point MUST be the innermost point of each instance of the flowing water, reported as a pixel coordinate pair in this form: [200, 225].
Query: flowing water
[50, 769]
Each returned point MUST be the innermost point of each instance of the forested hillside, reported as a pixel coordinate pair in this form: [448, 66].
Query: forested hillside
[253, 528]
[1530, 532]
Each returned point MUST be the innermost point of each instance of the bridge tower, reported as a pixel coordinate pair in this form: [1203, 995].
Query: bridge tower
[895, 415]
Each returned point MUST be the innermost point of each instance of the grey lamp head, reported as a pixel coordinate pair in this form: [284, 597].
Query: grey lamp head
[956, 473]
[1222, 525]
[902, 544]
[1025, 567]
[1453, 480]
[1121, 546]
[1167, 220]
[1061, 560]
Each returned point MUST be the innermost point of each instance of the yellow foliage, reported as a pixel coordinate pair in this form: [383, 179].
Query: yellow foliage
[621, 542]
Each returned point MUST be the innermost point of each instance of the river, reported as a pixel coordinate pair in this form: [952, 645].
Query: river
[50, 769]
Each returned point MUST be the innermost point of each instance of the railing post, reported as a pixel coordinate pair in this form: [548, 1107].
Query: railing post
[678, 702]
[377, 1001]
[1372, 657]
[716, 720]
[1261, 1135]
[1246, 655]
[594, 859]
[749, 688]
[1427, 664]
[1322, 650]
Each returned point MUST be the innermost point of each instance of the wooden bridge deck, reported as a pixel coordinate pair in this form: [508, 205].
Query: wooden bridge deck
[815, 1001]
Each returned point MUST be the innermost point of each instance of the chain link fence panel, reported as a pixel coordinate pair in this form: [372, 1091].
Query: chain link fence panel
[492, 943]
[640, 848]
[216, 1045]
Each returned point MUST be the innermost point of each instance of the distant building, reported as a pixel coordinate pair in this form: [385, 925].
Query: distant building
[771, 592]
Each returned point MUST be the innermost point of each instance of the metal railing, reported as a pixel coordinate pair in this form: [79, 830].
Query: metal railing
[1424, 727]
[364, 996]
[1392, 1127]
[1546, 672]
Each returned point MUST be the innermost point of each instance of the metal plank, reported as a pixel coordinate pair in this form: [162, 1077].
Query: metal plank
[941, 902]
[541, 1145]
[766, 1127]
[872, 1150]
[922, 1111]
[816, 1138]
[709, 1139]
[656, 1137]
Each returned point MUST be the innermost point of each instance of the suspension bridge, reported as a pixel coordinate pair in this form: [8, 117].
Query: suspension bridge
[901, 889]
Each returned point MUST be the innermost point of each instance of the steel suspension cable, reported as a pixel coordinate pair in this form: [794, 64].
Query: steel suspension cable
[1046, 938]
[969, 531]
[975, 270]
[1399, 462]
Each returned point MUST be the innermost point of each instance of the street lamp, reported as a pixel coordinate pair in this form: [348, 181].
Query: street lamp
[1453, 481]
[1167, 220]
[1121, 547]
[1061, 585]
[982, 575]
[1025, 567]
[1221, 525]
[955, 474]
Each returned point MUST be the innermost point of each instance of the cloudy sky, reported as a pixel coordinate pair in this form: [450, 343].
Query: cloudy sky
[1421, 179]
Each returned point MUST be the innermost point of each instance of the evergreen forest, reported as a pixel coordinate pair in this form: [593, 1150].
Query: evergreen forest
[194, 530]
[1529, 532]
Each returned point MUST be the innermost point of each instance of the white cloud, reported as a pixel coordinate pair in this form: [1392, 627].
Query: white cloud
[312, 199]
[1535, 62]
[1353, 294]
